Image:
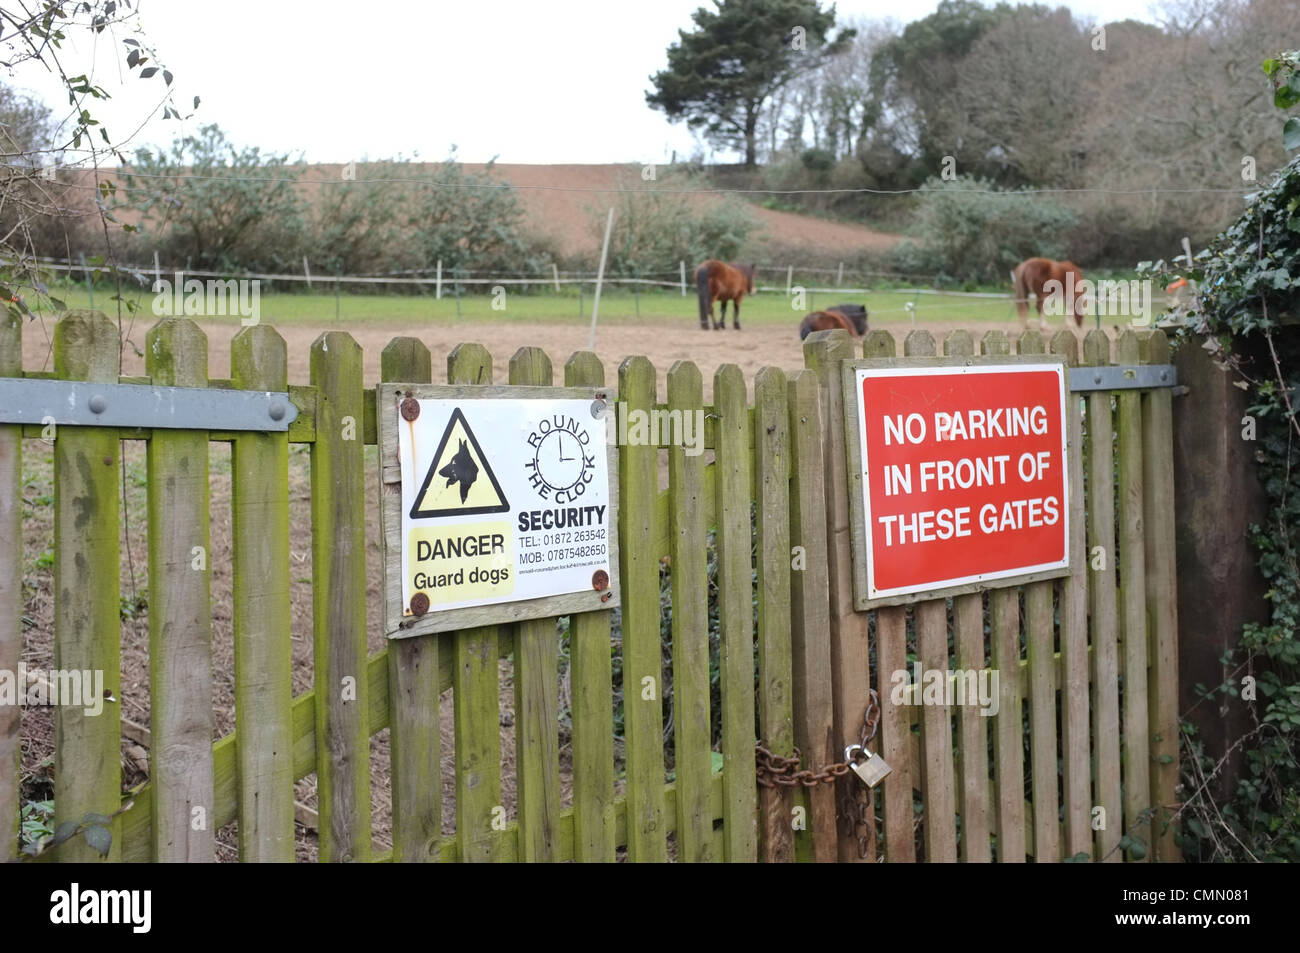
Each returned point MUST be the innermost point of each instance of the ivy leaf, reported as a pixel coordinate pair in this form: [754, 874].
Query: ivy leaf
[148, 71]
[1291, 134]
[99, 838]
[167, 77]
[64, 831]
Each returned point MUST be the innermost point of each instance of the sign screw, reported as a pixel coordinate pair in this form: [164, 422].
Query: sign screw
[276, 411]
[98, 404]
[600, 580]
[410, 408]
[419, 603]
[598, 408]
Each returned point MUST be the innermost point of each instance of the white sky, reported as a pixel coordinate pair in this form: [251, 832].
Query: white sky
[556, 81]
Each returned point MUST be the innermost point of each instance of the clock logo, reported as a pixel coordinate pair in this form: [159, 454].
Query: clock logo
[562, 463]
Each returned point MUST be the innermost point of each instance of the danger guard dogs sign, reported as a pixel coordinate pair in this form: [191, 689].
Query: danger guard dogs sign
[497, 507]
[958, 477]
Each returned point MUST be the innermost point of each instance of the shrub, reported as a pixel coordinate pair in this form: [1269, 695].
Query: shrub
[967, 229]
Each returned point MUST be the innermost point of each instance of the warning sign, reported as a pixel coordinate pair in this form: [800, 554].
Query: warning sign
[460, 482]
[503, 500]
[963, 478]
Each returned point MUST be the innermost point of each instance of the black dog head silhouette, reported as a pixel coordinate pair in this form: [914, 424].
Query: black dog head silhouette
[462, 469]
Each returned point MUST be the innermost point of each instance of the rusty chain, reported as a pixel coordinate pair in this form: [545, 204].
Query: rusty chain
[855, 807]
[774, 770]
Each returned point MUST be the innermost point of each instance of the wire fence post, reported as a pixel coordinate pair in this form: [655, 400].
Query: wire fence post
[306, 270]
[789, 280]
[337, 276]
[438, 283]
[636, 290]
[600, 277]
[455, 274]
[683, 264]
[839, 278]
[555, 273]
[90, 287]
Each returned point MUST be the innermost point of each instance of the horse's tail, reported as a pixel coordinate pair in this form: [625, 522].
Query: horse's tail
[1020, 292]
[702, 287]
[805, 328]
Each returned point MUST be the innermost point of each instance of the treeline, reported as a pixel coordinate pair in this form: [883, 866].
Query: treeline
[1009, 97]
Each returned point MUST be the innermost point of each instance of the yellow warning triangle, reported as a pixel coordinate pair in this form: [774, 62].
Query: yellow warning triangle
[460, 482]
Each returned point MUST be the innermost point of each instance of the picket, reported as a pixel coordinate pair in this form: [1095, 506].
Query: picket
[692, 743]
[593, 707]
[772, 498]
[338, 569]
[11, 591]
[87, 624]
[180, 612]
[1133, 623]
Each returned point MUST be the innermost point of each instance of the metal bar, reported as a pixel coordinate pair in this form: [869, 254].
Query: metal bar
[1123, 377]
[93, 404]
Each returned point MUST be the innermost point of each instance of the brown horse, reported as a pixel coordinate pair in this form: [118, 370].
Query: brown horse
[847, 317]
[1047, 278]
[718, 281]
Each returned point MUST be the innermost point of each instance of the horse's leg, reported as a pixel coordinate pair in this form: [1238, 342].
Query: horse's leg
[735, 314]
[1042, 321]
[721, 323]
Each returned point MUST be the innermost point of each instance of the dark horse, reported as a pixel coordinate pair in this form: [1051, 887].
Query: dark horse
[718, 281]
[847, 317]
[1046, 278]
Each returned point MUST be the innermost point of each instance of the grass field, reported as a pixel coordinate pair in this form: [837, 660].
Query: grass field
[616, 307]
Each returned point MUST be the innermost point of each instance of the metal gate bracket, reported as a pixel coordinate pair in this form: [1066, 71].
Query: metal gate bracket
[94, 404]
[1130, 377]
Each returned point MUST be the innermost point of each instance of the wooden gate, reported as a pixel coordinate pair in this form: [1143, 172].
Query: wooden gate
[736, 581]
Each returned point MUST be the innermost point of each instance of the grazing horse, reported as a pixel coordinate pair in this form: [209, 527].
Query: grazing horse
[718, 281]
[1034, 274]
[848, 317]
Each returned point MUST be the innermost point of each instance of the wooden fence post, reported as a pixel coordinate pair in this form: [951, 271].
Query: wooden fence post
[895, 723]
[413, 682]
[1040, 636]
[1104, 607]
[1076, 760]
[1132, 548]
[537, 743]
[263, 650]
[825, 352]
[591, 674]
[1008, 739]
[474, 680]
[338, 564]
[11, 589]
[1162, 593]
[735, 614]
[688, 561]
[180, 610]
[968, 645]
[810, 613]
[87, 620]
[638, 474]
[772, 493]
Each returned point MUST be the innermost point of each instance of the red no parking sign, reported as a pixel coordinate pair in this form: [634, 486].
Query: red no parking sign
[962, 477]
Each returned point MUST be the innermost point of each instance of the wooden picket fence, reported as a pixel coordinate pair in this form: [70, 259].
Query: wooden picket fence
[795, 662]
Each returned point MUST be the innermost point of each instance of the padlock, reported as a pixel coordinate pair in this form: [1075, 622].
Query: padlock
[872, 769]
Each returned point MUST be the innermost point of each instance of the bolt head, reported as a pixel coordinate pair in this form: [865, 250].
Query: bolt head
[419, 603]
[598, 407]
[276, 410]
[410, 408]
[98, 404]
